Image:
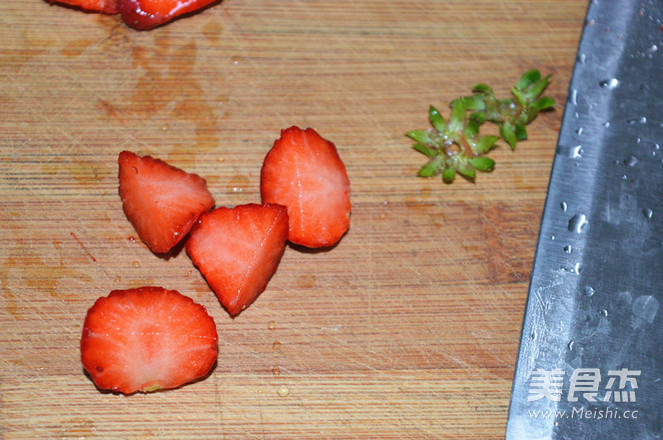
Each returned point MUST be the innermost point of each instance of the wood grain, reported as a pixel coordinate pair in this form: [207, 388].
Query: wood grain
[408, 328]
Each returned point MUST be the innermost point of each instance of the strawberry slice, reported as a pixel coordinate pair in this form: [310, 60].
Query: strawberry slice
[304, 172]
[147, 339]
[146, 14]
[161, 202]
[238, 250]
[106, 6]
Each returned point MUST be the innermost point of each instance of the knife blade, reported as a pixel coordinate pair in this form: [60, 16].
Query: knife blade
[590, 360]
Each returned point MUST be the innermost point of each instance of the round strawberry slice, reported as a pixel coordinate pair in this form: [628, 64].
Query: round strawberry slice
[304, 172]
[147, 339]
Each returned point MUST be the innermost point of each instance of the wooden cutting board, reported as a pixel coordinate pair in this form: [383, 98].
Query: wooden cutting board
[409, 328]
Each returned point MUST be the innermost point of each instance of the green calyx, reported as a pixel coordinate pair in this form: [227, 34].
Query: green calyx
[152, 389]
[455, 147]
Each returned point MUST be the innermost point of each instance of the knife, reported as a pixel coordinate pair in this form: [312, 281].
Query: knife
[590, 362]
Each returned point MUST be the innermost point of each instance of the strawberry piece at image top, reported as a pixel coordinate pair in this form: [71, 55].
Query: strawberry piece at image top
[147, 339]
[161, 202]
[238, 250]
[105, 6]
[147, 14]
[304, 172]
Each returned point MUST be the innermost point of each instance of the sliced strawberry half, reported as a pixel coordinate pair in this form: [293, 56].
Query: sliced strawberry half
[161, 202]
[147, 339]
[238, 250]
[106, 6]
[146, 14]
[304, 172]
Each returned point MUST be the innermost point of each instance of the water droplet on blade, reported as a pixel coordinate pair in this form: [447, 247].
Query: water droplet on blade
[609, 83]
[578, 223]
[648, 213]
[631, 161]
[639, 120]
[589, 291]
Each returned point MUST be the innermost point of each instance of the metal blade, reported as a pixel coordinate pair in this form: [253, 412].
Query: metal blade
[591, 350]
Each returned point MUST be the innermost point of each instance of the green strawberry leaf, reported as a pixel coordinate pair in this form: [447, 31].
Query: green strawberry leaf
[482, 163]
[482, 88]
[432, 167]
[520, 98]
[421, 136]
[457, 120]
[425, 149]
[454, 146]
[520, 131]
[530, 77]
[470, 173]
[480, 117]
[486, 143]
[436, 120]
[508, 133]
[536, 89]
[449, 174]
[472, 103]
[543, 103]
[471, 128]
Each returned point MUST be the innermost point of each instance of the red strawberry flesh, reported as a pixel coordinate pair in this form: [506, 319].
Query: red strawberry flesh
[238, 250]
[161, 202]
[147, 14]
[304, 172]
[147, 339]
[106, 6]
